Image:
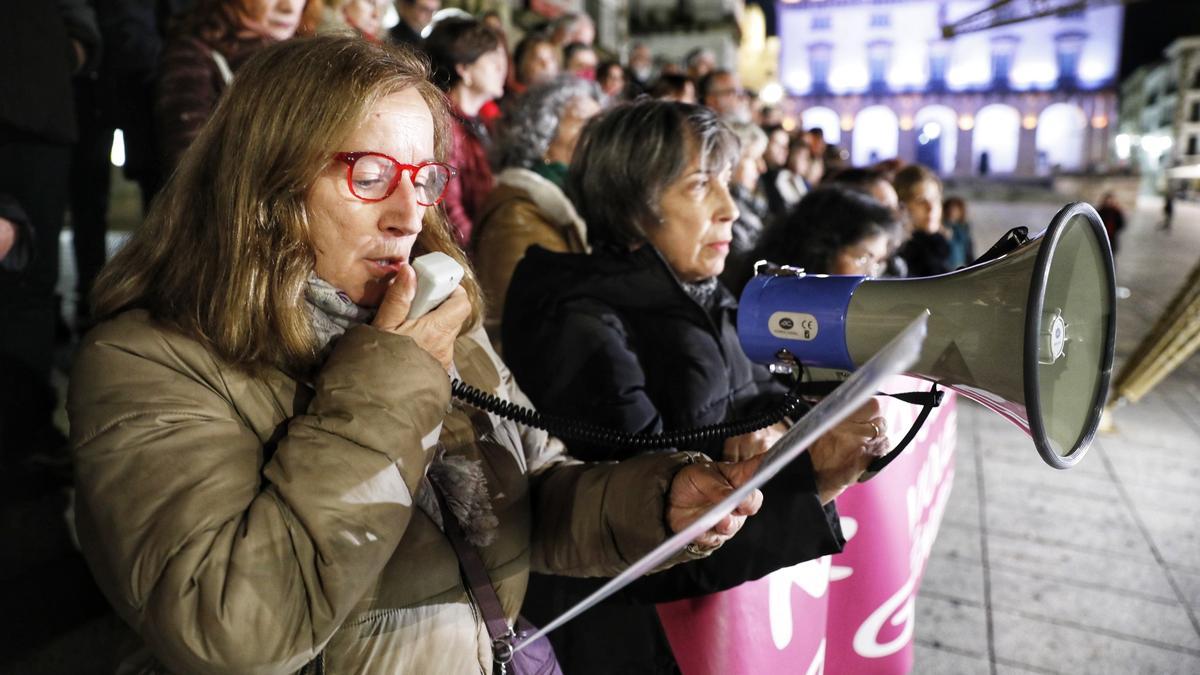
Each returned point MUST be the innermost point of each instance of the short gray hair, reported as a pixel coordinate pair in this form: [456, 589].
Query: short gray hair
[751, 136]
[628, 155]
[533, 121]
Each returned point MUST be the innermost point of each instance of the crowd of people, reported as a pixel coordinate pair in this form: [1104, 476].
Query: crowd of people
[264, 445]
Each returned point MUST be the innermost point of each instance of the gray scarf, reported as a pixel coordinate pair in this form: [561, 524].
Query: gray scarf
[461, 481]
[703, 292]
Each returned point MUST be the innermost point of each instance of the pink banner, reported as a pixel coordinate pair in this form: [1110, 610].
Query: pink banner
[848, 613]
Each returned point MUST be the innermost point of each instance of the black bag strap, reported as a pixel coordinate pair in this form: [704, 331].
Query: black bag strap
[933, 400]
[479, 584]
[928, 400]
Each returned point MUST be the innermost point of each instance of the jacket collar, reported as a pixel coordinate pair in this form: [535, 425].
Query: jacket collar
[547, 196]
[638, 280]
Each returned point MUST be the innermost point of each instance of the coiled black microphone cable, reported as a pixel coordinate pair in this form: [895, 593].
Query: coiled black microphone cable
[575, 430]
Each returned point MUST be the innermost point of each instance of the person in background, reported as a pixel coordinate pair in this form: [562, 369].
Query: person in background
[769, 116]
[15, 235]
[889, 168]
[1168, 209]
[579, 59]
[814, 172]
[699, 62]
[470, 65]
[363, 17]
[45, 45]
[493, 20]
[528, 205]
[722, 91]
[258, 360]
[784, 186]
[673, 87]
[535, 60]
[205, 51]
[753, 211]
[573, 27]
[639, 336]
[1113, 217]
[833, 230]
[611, 78]
[641, 68]
[869, 182]
[926, 250]
[415, 15]
[958, 230]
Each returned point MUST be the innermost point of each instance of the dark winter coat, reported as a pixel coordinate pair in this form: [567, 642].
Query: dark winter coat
[926, 254]
[189, 86]
[37, 61]
[468, 189]
[614, 340]
[22, 249]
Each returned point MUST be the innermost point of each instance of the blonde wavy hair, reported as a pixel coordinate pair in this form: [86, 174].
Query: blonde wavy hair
[226, 251]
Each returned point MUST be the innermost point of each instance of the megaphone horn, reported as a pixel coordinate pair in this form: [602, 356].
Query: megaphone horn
[1029, 334]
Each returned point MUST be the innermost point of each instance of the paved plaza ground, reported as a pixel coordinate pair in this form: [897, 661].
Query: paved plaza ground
[1092, 570]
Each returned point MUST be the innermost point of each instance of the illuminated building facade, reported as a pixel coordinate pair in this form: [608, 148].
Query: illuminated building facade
[1024, 99]
[1159, 131]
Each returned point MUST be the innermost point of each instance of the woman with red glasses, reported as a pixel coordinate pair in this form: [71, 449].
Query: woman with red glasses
[262, 435]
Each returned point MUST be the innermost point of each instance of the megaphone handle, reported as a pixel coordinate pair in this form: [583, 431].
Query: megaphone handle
[875, 467]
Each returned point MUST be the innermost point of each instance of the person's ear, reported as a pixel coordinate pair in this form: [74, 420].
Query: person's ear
[464, 74]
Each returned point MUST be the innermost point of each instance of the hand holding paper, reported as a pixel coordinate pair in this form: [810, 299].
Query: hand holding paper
[698, 487]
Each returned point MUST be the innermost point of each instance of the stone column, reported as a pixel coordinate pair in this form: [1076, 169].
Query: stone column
[907, 149]
[963, 160]
[1026, 151]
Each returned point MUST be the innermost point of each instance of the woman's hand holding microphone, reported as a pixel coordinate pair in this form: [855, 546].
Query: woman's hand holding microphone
[436, 331]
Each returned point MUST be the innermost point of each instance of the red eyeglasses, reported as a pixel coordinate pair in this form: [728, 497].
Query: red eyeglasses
[373, 177]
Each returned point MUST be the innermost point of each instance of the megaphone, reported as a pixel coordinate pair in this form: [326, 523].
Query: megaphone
[1029, 334]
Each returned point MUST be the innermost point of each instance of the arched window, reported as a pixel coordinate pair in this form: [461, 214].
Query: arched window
[826, 120]
[876, 135]
[1060, 135]
[937, 137]
[994, 143]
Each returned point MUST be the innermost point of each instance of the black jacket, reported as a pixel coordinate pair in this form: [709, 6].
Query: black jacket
[37, 62]
[22, 250]
[926, 254]
[614, 340]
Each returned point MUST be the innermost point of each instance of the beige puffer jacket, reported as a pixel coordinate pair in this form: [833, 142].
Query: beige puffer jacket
[523, 210]
[226, 562]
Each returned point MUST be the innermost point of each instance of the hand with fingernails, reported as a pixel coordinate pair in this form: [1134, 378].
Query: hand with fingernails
[843, 453]
[697, 487]
[436, 331]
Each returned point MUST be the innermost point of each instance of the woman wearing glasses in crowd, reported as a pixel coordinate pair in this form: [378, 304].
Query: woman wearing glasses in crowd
[260, 430]
[642, 338]
[833, 230]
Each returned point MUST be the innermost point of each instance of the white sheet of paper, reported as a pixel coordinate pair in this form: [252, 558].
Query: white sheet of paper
[893, 359]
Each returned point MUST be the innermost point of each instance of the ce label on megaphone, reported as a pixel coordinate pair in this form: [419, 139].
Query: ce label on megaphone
[1029, 334]
[794, 326]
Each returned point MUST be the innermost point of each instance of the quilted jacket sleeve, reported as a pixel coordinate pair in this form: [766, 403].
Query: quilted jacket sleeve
[221, 563]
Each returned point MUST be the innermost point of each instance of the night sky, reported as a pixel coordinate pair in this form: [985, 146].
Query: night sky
[1151, 25]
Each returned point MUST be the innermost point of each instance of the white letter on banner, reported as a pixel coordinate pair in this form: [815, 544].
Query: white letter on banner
[812, 577]
[898, 608]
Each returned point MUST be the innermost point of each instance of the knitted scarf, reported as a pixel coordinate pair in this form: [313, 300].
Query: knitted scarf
[461, 481]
